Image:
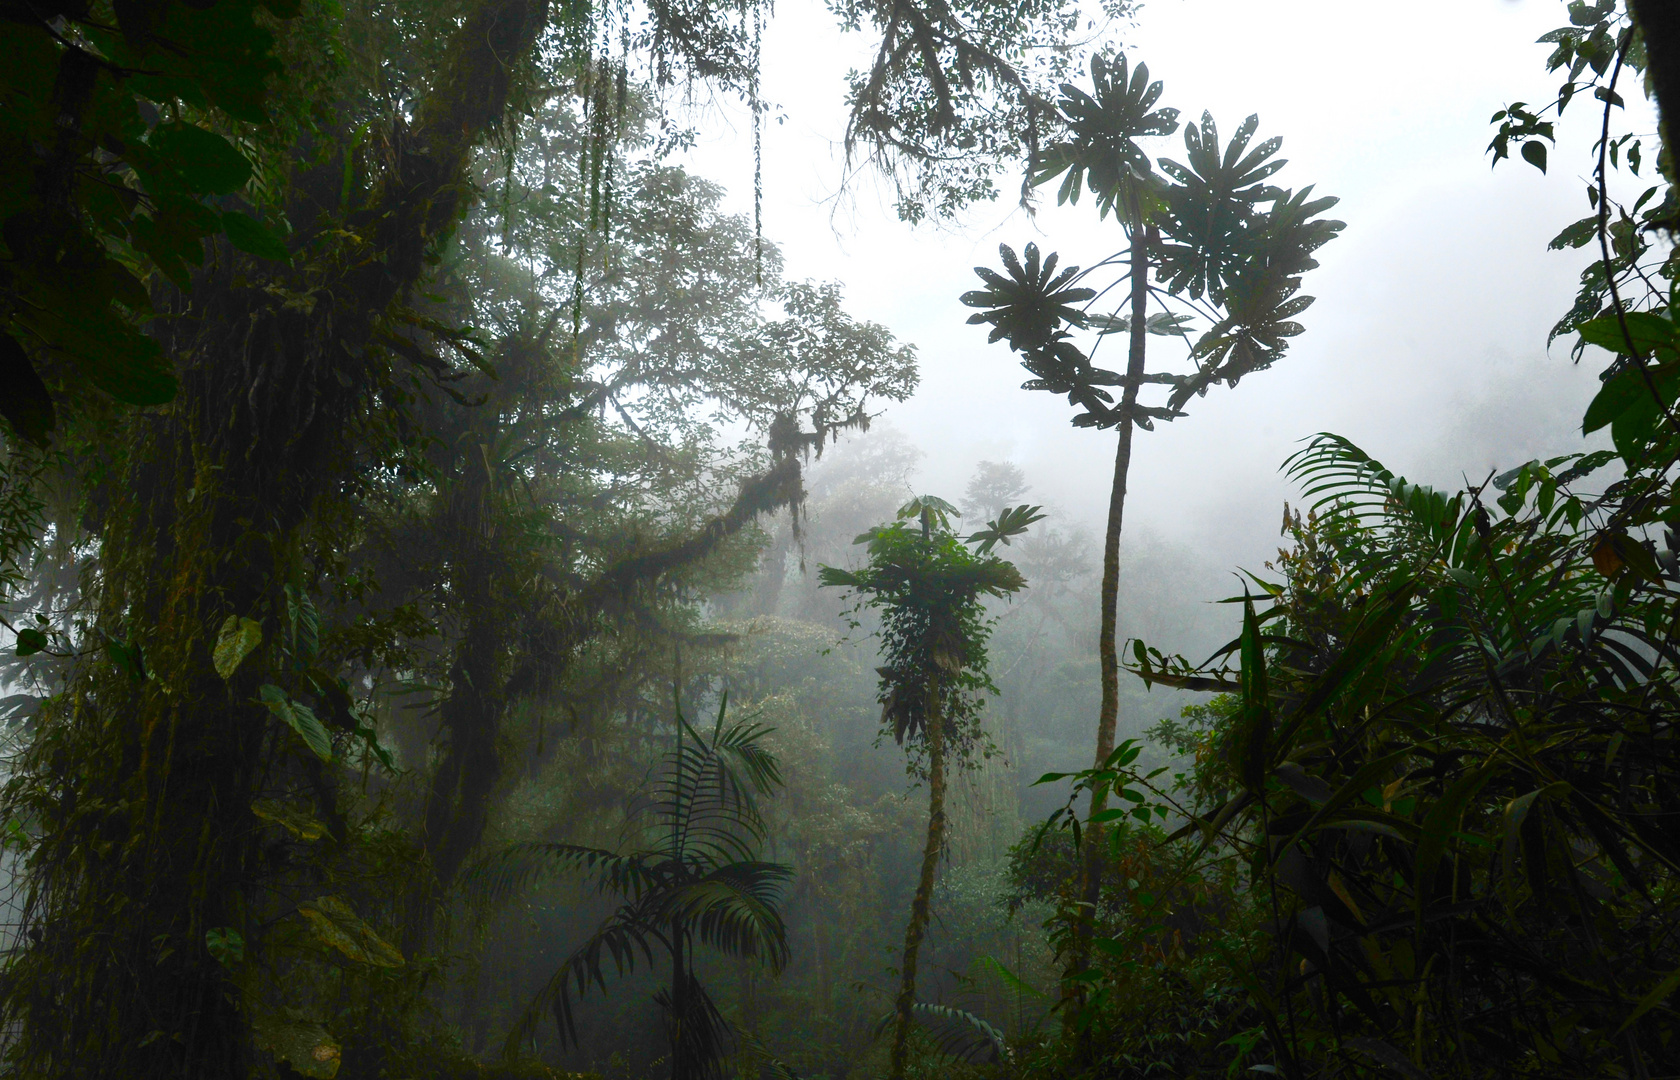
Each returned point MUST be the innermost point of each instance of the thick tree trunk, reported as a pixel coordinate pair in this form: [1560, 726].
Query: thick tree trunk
[1091, 864]
[922, 904]
[142, 784]
[458, 797]
[1659, 21]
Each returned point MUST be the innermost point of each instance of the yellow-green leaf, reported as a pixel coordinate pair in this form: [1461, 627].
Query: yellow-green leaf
[235, 642]
[300, 718]
[342, 929]
[295, 820]
[1651, 1000]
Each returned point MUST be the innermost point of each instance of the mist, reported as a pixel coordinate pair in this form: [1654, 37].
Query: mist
[588, 541]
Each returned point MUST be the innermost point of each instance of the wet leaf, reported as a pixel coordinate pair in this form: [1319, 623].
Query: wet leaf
[237, 638]
[226, 945]
[300, 718]
[295, 820]
[342, 929]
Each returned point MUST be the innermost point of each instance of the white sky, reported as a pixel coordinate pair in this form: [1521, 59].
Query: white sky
[1426, 346]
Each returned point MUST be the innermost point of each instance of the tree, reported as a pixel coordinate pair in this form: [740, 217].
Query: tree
[995, 486]
[927, 587]
[118, 166]
[674, 342]
[1450, 765]
[1223, 258]
[697, 880]
[261, 252]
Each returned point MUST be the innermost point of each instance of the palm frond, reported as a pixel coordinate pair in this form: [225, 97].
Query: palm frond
[733, 910]
[620, 939]
[957, 1034]
[494, 878]
[698, 1032]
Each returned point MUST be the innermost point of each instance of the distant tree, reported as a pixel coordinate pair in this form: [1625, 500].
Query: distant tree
[694, 879]
[995, 486]
[1229, 249]
[926, 586]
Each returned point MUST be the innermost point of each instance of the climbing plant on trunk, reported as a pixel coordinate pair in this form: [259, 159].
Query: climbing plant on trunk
[1227, 250]
[927, 588]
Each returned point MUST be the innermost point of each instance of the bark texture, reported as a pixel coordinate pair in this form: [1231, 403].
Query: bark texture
[161, 762]
[921, 905]
[1659, 21]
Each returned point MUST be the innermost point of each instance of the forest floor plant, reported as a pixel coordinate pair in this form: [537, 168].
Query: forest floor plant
[691, 877]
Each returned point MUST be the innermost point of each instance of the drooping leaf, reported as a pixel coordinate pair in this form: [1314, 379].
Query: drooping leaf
[204, 161]
[294, 819]
[300, 718]
[253, 237]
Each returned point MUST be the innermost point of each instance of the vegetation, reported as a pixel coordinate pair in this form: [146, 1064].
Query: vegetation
[1221, 259]
[399, 445]
[928, 587]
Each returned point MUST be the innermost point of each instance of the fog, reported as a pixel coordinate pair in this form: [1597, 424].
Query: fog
[431, 648]
[1427, 345]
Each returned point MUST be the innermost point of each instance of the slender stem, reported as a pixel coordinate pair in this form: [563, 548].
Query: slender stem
[1109, 656]
[679, 1003]
[920, 906]
[1604, 236]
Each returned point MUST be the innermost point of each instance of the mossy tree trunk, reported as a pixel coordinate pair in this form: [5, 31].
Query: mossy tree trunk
[921, 905]
[142, 780]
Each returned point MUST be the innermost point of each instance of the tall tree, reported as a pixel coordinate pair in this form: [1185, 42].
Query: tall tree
[1230, 250]
[927, 588]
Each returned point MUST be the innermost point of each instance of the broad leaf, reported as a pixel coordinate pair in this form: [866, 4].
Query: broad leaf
[238, 637]
[340, 928]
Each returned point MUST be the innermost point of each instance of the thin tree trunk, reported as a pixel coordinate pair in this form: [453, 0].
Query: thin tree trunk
[679, 1005]
[1091, 869]
[919, 907]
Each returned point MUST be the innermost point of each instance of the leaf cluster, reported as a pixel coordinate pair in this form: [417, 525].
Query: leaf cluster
[1216, 235]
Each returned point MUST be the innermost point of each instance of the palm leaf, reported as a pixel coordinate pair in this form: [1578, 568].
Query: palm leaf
[700, 1034]
[958, 1035]
[733, 910]
[495, 878]
[620, 939]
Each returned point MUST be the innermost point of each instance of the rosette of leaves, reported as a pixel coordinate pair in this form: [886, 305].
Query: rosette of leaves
[1102, 128]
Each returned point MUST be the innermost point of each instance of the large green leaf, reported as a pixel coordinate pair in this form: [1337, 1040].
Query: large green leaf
[300, 718]
[253, 237]
[203, 161]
